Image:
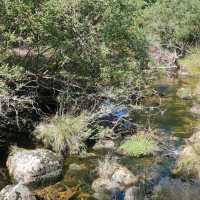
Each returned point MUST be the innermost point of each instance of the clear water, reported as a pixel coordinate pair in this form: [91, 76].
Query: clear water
[173, 118]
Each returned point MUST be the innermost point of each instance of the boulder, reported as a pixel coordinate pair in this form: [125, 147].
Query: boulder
[101, 185]
[16, 192]
[104, 144]
[175, 189]
[116, 181]
[124, 177]
[35, 167]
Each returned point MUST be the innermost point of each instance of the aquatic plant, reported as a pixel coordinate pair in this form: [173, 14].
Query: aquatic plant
[64, 134]
[139, 145]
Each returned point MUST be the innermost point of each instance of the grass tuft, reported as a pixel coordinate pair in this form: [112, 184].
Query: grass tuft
[139, 145]
[64, 134]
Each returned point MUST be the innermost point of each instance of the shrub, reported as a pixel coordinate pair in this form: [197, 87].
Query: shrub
[176, 22]
[64, 134]
[89, 38]
[139, 145]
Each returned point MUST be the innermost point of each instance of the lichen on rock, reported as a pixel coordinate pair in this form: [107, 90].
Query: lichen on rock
[35, 167]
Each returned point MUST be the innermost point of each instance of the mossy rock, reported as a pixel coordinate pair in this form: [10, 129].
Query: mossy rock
[188, 163]
[35, 168]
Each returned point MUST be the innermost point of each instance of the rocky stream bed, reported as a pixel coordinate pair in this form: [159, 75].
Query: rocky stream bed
[33, 174]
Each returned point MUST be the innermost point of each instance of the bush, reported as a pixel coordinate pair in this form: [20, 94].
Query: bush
[139, 145]
[89, 38]
[176, 22]
[64, 134]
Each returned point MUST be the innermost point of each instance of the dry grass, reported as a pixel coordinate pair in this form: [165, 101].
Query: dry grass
[64, 134]
[107, 166]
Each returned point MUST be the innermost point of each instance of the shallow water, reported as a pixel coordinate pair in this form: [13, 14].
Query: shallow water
[171, 115]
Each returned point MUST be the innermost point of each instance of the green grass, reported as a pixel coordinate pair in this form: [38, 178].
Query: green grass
[139, 145]
[64, 134]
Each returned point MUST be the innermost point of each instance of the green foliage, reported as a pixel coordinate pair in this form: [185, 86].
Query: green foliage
[139, 145]
[192, 61]
[9, 75]
[64, 134]
[87, 38]
[176, 22]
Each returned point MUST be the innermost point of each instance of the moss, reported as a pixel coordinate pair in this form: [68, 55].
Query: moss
[139, 145]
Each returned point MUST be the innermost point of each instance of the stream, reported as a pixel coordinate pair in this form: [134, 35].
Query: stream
[173, 118]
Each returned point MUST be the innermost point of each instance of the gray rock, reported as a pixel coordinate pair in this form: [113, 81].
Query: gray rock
[124, 177]
[101, 185]
[35, 167]
[119, 180]
[16, 192]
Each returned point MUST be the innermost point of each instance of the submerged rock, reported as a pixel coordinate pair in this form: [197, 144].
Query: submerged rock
[76, 167]
[112, 182]
[58, 192]
[35, 167]
[175, 189]
[16, 192]
[104, 144]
